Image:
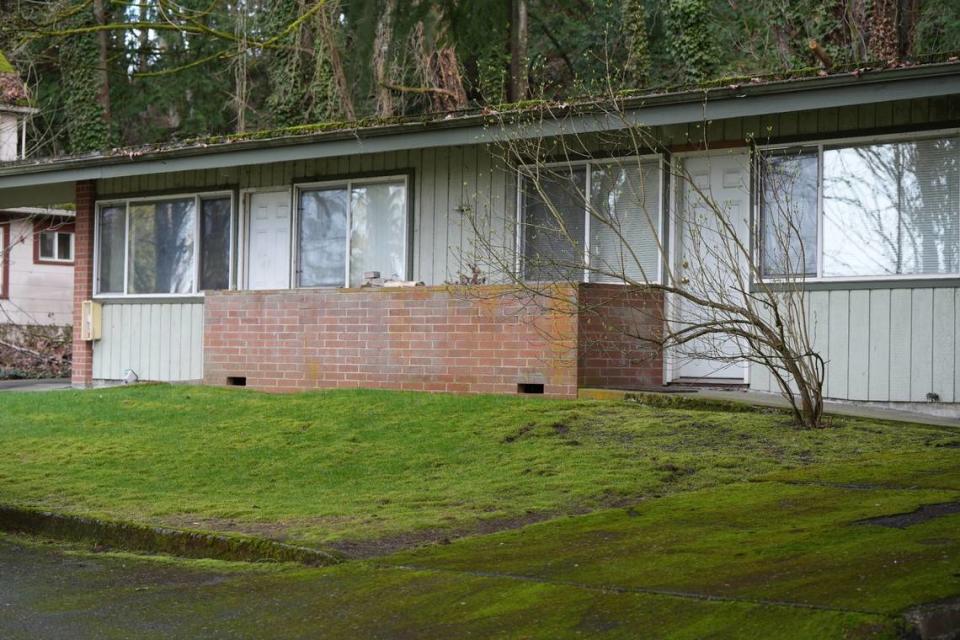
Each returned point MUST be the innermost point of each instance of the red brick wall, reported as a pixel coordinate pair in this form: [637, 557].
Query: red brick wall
[83, 279]
[609, 354]
[428, 338]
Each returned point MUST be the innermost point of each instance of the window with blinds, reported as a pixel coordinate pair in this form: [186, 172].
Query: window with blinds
[885, 210]
[891, 209]
[625, 222]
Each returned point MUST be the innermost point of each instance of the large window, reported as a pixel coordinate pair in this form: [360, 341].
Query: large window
[594, 221]
[164, 246]
[880, 210]
[348, 229]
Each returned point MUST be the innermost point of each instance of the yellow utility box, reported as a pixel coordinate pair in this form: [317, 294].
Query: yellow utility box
[92, 327]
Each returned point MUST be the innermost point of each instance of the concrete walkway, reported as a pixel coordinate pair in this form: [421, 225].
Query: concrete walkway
[44, 384]
[773, 400]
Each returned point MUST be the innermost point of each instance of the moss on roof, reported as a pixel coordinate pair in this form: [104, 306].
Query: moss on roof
[12, 90]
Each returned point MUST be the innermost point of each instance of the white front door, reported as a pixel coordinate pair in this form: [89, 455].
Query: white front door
[268, 229]
[709, 261]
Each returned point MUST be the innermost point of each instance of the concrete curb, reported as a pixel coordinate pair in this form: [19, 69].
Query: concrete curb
[130, 536]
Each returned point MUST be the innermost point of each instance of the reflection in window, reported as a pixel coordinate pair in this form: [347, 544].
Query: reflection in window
[376, 214]
[789, 215]
[377, 231]
[161, 246]
[178, 245]
[621, 211]
[215, 237]
[323, 237]
[111, 245]
[891, 209]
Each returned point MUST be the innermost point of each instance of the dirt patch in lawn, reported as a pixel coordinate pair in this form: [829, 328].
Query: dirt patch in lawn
[917, 516]
[361, 549]
[278, 531]
[412, 539]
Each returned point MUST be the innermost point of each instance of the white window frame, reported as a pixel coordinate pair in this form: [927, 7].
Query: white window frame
[56, 246]
[198, 198]
[524, 171]
[818, 146]
[348, 184]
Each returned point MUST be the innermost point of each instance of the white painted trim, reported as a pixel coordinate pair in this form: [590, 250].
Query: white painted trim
[671, 257]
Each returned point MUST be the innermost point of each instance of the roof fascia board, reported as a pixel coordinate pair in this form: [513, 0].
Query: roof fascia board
[401, 138]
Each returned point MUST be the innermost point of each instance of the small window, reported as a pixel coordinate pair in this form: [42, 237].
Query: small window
[56, 246]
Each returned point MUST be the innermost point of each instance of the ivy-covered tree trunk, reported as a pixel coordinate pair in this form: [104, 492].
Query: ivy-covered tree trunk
[692, 43]
[884, 39]
[519, 44]
[285, 65]
[637, 68]
[84, 90]
[103, 60]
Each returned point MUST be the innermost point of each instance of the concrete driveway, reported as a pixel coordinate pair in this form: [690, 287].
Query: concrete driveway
[43, 384]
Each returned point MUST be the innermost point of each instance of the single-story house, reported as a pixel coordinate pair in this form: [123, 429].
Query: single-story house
[36, 266]
[241, 261]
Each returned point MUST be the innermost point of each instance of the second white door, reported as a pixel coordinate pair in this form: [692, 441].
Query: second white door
[708, 258]
[269, 227]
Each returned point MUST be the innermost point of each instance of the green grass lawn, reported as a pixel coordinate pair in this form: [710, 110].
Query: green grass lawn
[641, 521]
[361, 465]
[787, 555]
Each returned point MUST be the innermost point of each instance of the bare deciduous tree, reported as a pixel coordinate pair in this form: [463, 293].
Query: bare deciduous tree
[723, 304]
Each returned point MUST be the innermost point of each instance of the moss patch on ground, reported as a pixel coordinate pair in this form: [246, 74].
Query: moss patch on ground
[764, 541]
[53, 595]
[328, 467]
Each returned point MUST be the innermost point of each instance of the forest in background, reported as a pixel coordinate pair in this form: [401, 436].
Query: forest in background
[107, 73]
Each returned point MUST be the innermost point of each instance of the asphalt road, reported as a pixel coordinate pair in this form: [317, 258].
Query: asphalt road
[45, 593]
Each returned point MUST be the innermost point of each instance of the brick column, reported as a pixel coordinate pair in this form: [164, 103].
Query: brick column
[86, 195]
